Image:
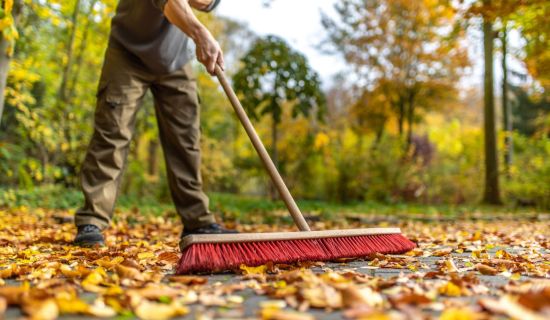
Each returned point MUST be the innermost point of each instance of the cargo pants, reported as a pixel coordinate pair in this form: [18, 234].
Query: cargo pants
[123, 83]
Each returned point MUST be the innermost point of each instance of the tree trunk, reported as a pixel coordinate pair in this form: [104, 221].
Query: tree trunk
[410, 120]
[5, 57]
[274, 155]
[491, 193]
[400, 116]
[506, 108]
[152, 157]
[4, 69]
[81, 49]
[70, 44]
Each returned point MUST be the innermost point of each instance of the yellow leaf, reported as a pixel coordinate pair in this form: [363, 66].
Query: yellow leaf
[277, 314]
[68, 305]
[459, 314]
[145, 255]
[254, 270]
[450, 289]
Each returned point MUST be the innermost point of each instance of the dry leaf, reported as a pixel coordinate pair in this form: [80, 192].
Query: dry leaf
[486, 270]
[40, 309]
[410, 298]
[170, 257]
[508, 306]
[253, 270]
[13, 295]
[459, 314]
[3, 306]
[128, 273]
[450, 289]
[277, 314]
[188, 280]
[147, 310]
[353, 297]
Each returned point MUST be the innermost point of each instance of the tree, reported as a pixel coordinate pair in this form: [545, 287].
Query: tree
[8, 33]
[491, 193]
[402, 46]
[506, 108]
[272, 76]
[532, 19]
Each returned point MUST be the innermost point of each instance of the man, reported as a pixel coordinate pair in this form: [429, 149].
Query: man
[149, 48]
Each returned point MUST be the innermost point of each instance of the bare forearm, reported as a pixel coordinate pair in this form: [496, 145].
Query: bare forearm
[180, 14]
[208, 50]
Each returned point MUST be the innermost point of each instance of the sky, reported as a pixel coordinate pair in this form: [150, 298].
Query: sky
[299, 23]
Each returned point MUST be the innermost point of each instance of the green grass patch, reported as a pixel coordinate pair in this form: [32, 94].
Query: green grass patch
[247, 209]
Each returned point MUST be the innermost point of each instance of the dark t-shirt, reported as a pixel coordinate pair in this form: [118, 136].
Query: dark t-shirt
[140, 27]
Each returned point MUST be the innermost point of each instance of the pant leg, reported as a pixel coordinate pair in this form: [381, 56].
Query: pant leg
[121, 88]
[178, 115]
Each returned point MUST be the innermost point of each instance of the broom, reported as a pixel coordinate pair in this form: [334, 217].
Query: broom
[222, 252]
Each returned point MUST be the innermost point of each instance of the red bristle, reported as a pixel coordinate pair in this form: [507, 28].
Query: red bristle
[217, 257]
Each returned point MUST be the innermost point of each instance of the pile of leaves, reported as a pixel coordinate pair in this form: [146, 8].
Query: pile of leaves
[461, 270]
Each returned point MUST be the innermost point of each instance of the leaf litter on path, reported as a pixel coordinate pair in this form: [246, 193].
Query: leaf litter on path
[460, 270]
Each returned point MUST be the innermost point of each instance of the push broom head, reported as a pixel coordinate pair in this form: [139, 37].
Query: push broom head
[224, 252]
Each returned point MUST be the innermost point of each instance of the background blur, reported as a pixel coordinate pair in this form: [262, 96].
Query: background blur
[384, 102]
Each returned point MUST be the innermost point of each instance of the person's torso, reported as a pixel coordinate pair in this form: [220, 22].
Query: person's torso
[141, 28]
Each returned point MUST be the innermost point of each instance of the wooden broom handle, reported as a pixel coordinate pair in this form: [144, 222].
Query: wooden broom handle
[262, 152]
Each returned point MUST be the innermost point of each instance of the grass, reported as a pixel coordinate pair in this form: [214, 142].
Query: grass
[247, 208]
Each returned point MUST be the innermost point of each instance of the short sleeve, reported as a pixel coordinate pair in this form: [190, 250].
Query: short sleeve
[212, 5]
[160, 4]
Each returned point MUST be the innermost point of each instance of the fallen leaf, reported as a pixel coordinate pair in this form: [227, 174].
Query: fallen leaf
[40, 309]
[145, 255]
[442, 252]
[508, 306]
[253, 270]
[170, 257]
[353, 297]
[147, 310]
[277, 314]
[409, 298]
[485, 269]
[459, 314]
[13, 295]
[272, 304]
[536, 299]
[128, 273]
[3, 306]
[450, 289]
[188, 280]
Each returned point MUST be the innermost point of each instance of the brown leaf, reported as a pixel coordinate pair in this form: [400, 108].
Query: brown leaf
[410, 298]
[7, 273]
[508, 306]
[536, 299]
[486, 270]
[442, 252]
[170, 257]
[128, 273]
[13, 294]
[353, 297]
[131, 263]
[3, 306]
[188, 280]
[40, 309]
